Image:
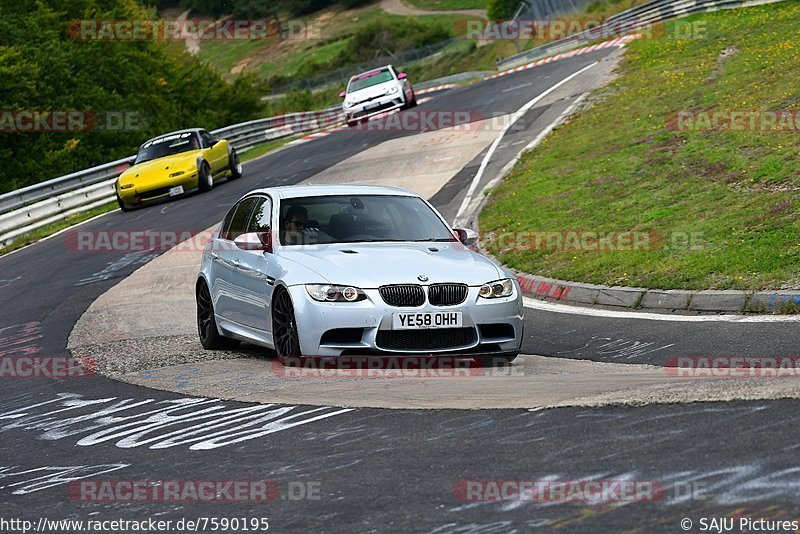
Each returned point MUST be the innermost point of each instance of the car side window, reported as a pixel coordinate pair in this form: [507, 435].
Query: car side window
[208, 139]
[226, 222]
[238, 222]
[261, 221]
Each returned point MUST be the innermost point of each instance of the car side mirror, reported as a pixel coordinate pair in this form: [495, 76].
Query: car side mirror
[467, 237]
[343, 94]
[255, 241]
[401, 76]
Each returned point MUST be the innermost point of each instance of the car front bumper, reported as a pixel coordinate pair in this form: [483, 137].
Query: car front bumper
[364, 110]
[490, 326]
[156, 189]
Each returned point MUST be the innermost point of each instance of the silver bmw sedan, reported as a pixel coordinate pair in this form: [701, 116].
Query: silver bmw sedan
[341, 270]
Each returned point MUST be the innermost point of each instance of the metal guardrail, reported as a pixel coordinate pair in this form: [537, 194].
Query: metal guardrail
[38, 205]
[625, 22]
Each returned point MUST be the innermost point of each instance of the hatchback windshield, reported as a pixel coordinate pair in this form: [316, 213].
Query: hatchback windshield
[167, 146]
[359, 219]
[369, 79]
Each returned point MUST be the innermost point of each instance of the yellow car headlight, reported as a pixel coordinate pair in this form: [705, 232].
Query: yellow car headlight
[174, 174]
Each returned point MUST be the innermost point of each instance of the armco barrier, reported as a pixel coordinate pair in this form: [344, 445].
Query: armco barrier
[38, 205]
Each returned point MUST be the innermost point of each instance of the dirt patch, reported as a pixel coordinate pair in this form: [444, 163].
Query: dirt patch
[723, 58]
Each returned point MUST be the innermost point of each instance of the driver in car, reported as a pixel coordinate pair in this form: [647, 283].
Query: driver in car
[294, 225]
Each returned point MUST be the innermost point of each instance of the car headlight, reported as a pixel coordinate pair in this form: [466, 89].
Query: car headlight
[174, 174]
[497, 289]
[393, 89]
[126, 186]
[333, 293]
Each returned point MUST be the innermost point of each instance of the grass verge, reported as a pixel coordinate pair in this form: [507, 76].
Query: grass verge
[722, 201]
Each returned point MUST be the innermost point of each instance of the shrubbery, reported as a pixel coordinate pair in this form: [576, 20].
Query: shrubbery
[42, 68]
[375, 40]
[501, 9]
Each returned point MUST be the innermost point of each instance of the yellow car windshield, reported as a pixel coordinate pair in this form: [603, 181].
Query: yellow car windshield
[167, 145]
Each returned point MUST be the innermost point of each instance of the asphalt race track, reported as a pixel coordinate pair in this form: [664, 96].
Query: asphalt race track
[368, 469]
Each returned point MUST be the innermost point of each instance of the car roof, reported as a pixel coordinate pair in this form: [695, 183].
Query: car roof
[315, 190]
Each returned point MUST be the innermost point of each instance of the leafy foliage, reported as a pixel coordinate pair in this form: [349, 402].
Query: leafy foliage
[43, 68]
[501, 9]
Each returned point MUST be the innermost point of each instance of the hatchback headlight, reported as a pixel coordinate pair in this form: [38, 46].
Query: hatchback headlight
[333, 293]
[497, 289]
[393, 90]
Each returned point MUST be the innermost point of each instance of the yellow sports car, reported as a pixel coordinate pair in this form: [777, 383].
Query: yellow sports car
[172, 164]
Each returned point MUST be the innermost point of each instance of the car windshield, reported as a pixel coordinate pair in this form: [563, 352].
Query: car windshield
[167, 146]
[369, 79]
[359, 219]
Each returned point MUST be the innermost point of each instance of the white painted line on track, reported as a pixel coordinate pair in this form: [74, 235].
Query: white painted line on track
[463, 210]
[556, 307]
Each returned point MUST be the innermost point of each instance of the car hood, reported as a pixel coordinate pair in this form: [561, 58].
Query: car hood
[369, 93]
[375, 264]
[177, 162]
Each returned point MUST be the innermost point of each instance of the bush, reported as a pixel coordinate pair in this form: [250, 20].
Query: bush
[42, 68]
[501, 9]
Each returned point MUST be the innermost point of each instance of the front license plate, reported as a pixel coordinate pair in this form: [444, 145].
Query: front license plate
[412, 321]
[175, 191]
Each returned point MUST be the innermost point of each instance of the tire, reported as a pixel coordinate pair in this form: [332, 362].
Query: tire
[413, 102]
[352, 123]
[205, 182]
[284, 326]
[122, 205]
[235, 164]
[207, 330]
[496, 361]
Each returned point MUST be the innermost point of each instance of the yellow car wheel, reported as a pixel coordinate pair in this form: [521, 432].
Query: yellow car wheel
[235, 165]
[204, 179]
[122, 205]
